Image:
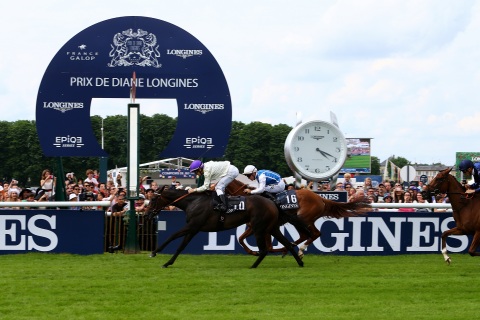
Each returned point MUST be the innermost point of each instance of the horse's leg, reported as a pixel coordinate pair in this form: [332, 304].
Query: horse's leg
[281, 238]
[262, 248]
[172, 237]
[451, 232]
[186, 240]
[315, 235]
[473, 247]
[248, 232]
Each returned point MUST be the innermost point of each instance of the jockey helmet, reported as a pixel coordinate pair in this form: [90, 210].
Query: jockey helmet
[197, 164]
[249, 170]
[465, 164]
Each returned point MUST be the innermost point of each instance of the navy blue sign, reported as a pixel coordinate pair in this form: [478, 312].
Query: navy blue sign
[99, 63]
[377, 233]
[55, 231]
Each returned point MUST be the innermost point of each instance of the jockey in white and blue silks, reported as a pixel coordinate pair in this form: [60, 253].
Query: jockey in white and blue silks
[268, 181]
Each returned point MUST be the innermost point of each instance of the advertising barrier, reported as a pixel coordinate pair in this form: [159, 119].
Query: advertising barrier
[376, 233]
[53, 231]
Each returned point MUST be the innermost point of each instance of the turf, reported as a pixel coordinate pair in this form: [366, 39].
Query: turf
[120, 286]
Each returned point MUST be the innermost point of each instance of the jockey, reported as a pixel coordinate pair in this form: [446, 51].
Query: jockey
[473, 169]
[222, 171]
[268, 181]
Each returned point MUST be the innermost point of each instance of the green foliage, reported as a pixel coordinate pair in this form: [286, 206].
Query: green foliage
[375, 166]
[255, 143]
[399, 161]
[120, 286]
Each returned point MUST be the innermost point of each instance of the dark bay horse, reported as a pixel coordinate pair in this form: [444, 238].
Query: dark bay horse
[311, 208]
[466, 210]
[261, 213]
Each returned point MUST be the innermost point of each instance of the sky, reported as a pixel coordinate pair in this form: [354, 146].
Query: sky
[404, 73]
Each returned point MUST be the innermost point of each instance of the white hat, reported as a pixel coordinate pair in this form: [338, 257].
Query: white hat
[72, 196]
[249, 169]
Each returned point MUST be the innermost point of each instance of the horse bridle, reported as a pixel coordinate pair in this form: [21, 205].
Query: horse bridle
[156, 211]
[436, 191]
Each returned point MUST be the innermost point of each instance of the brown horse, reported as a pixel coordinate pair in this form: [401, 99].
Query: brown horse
[260, 212]
[311, 207]
[466, 210]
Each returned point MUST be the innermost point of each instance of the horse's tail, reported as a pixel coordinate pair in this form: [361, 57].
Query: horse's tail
[347, 209]
[294, 220]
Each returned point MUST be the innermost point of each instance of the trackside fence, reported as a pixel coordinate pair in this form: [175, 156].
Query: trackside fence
[115, 228]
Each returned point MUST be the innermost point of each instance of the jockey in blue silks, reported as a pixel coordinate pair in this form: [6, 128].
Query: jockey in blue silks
[473, 169]
[268, 181]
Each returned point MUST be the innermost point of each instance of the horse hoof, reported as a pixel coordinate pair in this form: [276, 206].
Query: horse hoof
[153, 255]
[448, 261]
[164, 266]
[300, 264]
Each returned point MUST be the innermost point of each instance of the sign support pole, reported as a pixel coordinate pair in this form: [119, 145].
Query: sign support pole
[131, 245]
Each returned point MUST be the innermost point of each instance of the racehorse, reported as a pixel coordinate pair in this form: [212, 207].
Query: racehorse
[311, 207]
[260, 212]
[466, 210]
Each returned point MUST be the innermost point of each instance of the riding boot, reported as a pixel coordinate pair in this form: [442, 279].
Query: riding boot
[222, 206]
[219, 202]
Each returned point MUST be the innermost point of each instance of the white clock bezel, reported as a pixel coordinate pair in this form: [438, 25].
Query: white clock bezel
[289, 153]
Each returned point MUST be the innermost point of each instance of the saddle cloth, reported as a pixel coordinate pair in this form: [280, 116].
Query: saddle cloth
[287, 199]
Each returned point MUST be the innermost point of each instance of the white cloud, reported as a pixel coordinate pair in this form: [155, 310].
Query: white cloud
[403, 72]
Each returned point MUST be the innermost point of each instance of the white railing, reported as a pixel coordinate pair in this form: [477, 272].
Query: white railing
[412, 205]
[54, 204]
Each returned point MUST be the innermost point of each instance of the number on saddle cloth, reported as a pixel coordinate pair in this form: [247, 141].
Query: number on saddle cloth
[287, 199]
[236, 203]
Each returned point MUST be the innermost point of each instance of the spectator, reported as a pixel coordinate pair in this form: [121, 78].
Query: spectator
[367, 183]
[71, 178]
[74, 198]
[347, 178]
[91, 180]
[120, 207]
[14, 197]
[387, 198]
[148, 196]
[89, 196]
[382, 190]
[48, 182]
[351, 194]
[13, 187]
[102, 189]
[407, 197]
[398, 195]
[154, 185]
[140, 207]
[420, 199]
[388, 187]
[371, 192]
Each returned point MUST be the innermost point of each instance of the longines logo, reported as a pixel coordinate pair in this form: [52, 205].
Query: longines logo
[131, 48]
[198, 143]
[184, 53]
[203, 107]
[82, 54]
[68, 142]
[63, 106]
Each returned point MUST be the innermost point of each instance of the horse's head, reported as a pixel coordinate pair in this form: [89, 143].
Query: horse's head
[439, 184]
[156, 204]
[162, 198]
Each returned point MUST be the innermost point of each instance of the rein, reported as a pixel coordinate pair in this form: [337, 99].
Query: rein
[155, 211]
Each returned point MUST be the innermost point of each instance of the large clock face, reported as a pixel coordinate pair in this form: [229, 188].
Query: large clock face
[316, 150]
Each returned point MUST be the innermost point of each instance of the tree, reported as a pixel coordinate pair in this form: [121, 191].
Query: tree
[375, 166]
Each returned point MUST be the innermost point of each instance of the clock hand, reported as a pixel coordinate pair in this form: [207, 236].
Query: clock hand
[325, 154]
